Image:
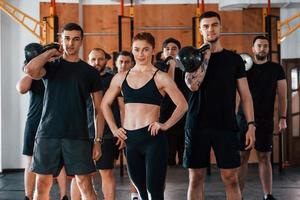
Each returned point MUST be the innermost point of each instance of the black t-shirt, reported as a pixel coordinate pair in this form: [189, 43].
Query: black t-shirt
[67, 86]
[167, 106]
[36, 95]
[107, 134]
[213, 105]
[262, 79]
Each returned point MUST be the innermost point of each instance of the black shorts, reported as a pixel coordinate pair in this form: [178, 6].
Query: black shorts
[28, 142]
[108, 149]
[51, 154]
[198, 144]
[263, 136]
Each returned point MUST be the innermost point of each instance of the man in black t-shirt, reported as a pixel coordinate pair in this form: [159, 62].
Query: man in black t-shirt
[264, 78]
[62, 137]
[175, 134]
[210, 121]
[98, 59]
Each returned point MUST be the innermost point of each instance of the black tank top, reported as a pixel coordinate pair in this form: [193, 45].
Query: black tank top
[148, 94]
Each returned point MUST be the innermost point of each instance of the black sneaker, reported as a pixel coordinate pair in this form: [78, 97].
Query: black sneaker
[135, 198]
[26, 198]
[269, 197]
[65, 198]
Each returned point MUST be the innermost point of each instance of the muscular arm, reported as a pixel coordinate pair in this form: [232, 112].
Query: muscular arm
[282, 101]
[193, 80]
[122, 109]
[35, 68]
[246, 98]
[110, 95]
[282, 96]
[24, 84]
[247, 102]
[99, 119]
[99, 123]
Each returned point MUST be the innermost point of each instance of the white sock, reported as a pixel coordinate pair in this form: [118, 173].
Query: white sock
[134, 195]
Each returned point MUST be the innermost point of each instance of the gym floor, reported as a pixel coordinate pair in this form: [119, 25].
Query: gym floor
[286, 185]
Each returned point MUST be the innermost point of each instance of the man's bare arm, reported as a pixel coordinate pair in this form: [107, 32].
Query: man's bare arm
[193, 80]
[35, 68]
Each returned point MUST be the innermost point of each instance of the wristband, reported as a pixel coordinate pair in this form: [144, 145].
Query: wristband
[282, 117]
[251, 122]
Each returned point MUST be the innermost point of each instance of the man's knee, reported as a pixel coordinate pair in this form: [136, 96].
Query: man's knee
[43, 184]
[264, 157]
[108, 176]
[244, 157]
[229, 177]
[107, 173]
[84, 183]
[196, 177]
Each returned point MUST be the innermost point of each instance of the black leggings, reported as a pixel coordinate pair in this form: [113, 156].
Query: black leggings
[147, 158]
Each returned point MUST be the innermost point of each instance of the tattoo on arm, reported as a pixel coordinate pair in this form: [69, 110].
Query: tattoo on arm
[196, 78]
[204, 65]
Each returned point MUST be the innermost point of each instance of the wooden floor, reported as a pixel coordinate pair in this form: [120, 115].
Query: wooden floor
[286, 185]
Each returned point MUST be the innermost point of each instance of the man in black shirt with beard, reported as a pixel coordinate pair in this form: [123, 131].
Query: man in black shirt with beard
[62, 137]
[210, 121]
[98, 59]
[264, 78]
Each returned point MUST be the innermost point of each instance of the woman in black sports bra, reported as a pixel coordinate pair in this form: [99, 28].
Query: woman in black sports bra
[143, 88]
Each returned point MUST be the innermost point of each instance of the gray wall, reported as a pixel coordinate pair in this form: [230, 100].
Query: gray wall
[290, 47]
[13, 107]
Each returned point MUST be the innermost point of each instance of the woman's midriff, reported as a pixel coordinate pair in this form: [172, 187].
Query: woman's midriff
[139, 115]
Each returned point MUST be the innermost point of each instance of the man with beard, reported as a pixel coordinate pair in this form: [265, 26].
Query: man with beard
[211, 121]
[98, 59]
[265, 78]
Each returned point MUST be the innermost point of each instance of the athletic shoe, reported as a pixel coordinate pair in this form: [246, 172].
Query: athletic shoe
[269, 197]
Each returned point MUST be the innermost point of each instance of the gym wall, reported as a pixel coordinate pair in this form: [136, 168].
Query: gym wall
[104, 19]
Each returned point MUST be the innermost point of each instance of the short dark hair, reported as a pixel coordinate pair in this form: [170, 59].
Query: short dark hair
[260, 37]
[171, 40]
[32, 50]
[73, 26]
[125, 53]
[148, 37]
[209, 14]
[107, 56]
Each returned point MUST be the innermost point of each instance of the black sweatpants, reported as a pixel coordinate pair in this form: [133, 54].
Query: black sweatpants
[147, 158]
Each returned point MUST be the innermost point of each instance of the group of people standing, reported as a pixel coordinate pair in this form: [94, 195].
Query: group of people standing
[87, 114]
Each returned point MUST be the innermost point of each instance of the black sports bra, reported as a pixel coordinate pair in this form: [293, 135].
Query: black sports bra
[148, 94]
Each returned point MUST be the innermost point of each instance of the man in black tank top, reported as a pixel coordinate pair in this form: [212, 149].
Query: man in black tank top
[210, 121]
[265, 79]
